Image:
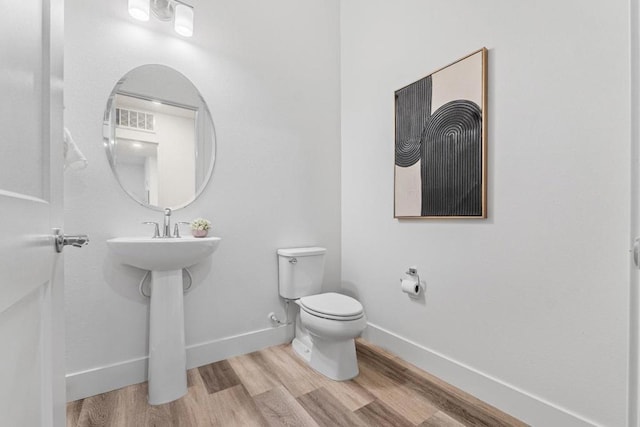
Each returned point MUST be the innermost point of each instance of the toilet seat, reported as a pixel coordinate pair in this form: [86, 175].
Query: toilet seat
[332, 306]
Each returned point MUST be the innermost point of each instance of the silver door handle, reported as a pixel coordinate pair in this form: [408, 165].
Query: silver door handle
[62, 240]
[636, 252]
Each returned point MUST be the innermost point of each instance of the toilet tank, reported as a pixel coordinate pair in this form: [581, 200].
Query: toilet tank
[300, 271]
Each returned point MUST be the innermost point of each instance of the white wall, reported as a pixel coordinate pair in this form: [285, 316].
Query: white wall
[273, 89]
[527, 309]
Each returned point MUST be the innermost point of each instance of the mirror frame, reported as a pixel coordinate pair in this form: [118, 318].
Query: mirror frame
[109, 133]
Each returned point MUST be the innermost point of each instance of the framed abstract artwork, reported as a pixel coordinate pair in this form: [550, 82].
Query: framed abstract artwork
[440, 143]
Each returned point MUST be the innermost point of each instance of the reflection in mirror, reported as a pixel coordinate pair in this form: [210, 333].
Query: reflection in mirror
[159, 137]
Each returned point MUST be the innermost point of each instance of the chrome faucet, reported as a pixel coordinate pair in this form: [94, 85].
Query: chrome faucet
[166, 226]
[167, 223]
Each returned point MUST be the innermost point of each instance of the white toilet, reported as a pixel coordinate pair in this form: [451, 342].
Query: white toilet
[327, 322]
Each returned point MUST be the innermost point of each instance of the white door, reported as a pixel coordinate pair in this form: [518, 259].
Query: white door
[31, 299]
[634, 294]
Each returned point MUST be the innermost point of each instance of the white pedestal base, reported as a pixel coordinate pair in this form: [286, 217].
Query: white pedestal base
[167, 354]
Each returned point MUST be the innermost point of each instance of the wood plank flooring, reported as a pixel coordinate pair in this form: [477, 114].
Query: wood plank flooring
[274, 387]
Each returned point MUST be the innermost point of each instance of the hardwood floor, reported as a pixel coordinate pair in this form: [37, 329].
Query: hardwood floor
[274, 387]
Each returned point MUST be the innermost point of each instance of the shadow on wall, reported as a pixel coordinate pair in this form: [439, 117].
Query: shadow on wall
[125, 280]
[350, 289]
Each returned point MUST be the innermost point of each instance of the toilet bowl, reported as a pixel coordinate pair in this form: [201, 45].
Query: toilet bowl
[327, 323]
[331, 348]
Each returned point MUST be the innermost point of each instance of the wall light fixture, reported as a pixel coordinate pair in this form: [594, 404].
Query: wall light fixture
[165, 10]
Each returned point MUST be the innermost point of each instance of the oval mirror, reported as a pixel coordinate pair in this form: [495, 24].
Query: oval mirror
[159, 137]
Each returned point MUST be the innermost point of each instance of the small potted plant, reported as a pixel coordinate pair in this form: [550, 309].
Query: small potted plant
[200, 227]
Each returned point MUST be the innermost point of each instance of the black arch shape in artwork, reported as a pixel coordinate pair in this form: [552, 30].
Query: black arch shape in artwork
[413, 109]
[451, 167]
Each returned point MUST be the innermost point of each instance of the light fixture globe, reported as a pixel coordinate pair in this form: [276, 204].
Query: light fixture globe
[139, 9]
[183, 20]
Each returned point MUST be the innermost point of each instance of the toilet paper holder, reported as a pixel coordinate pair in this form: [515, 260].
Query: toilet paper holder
[411, 284]
[413, 272]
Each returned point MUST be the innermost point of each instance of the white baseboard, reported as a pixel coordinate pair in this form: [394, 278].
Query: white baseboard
[518, 403]
[111, 377]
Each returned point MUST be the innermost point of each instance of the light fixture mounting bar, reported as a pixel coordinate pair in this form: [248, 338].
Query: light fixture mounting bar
[163, 9]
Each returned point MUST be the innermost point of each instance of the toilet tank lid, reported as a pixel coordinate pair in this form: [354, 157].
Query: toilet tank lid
[294, 252]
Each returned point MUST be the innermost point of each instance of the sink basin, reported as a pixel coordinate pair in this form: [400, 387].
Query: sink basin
[165, 258]
[162, 254]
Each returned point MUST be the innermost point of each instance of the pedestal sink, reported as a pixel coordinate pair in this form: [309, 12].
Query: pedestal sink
[165, 258]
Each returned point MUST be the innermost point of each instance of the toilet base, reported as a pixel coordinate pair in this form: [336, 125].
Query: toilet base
[334, 359]
[302, 349]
